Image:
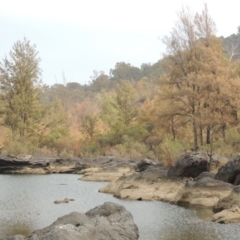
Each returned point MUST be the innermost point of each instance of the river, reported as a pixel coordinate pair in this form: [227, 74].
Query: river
[27, 203]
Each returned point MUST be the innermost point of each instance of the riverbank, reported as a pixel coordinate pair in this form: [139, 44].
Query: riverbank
[27, 204]
[186, 183]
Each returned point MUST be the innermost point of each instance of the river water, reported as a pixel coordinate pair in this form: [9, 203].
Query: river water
[26, 204]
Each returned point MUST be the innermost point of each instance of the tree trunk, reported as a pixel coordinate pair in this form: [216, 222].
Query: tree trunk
[172, 128]
[208, 137]
[201, 135]
[224, 132]
[195, 137]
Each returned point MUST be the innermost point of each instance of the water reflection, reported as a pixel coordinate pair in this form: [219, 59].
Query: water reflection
[10, 228]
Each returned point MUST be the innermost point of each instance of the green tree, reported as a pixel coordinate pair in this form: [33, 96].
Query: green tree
[89, 125]
[124, 71]
[99, 81]
[125, 96]
[20, 87]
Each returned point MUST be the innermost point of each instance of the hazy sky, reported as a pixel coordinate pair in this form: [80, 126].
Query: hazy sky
[75, 37]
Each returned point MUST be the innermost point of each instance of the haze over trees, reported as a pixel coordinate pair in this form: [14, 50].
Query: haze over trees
[189, 99]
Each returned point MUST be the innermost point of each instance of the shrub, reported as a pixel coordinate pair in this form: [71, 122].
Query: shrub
[171, 149]
[65, 154]
[15, 148]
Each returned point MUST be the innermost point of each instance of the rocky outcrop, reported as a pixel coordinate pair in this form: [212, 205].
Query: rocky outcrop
[230, 172]
[104, 174]
[227, 210]
[41, 165]
[203, 192]
[49, 164]
[150, 184]
[153, 184]
[106, 222]
[231, 215]
[232, 200]
[108, 169]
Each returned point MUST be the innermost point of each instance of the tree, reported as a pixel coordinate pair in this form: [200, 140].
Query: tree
[89, 125]
[125, 102]
[99, 81]
[124, 71]
[20, 88]
[198, 83]
[232, 46]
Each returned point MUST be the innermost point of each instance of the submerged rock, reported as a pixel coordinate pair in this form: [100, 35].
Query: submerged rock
[105, 222]
[65, 200]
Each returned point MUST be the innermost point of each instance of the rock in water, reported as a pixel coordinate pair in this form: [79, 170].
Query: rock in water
[109, 221]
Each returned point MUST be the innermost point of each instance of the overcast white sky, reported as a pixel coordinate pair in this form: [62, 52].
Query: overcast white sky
[79, 36]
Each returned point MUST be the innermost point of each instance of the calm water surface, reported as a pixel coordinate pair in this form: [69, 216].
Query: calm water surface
[26, 204]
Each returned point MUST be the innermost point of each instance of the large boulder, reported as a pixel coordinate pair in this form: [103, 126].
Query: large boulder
[109, 221]
[191, 164]
[230, 172]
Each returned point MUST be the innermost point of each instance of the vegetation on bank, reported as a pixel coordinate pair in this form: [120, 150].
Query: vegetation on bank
[189, 99]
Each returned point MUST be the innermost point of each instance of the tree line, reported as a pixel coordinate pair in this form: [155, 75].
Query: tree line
[187, 100]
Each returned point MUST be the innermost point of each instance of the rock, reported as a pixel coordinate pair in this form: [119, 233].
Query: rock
[205, 174]
[65, 200]
[209, 182]
[28, 164]
[229, 201]
[144, 164]
[203, 192]
[108, 169]
[230, 172]
[231, 215]
[150, 184]
[106, 222]
[191, 164]
[8, 164]
[112, 161]
[105, 174]
[24, 157]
